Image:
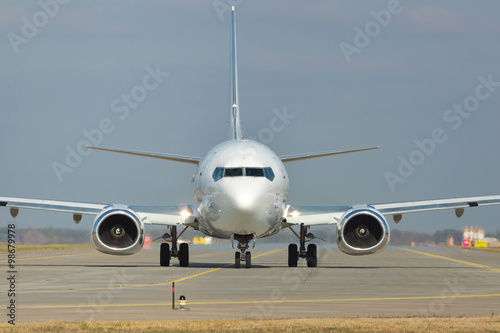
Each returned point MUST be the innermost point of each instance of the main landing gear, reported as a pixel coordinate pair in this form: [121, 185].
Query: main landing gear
[311, 255]
[244, 255]
[182, 252]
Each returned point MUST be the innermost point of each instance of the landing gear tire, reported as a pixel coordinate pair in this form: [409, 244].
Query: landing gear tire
[237, 260]
[184, 255]
[164, 254]
[248, 260]
[293, 255]
[312, 257]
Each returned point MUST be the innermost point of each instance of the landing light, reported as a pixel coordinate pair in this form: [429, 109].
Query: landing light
[294, 213]
[185, 214]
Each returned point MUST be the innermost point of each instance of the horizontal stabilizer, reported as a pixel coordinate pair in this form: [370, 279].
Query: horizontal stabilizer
[306, 156]
[169, 157]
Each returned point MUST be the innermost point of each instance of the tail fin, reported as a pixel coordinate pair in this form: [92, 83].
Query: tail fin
[235, 126]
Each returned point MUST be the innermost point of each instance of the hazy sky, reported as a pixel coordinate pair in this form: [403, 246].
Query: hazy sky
[352, 74]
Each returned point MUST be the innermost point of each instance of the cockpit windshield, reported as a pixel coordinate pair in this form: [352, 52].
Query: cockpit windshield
[220, 172]
[233, 172]
[254, 172]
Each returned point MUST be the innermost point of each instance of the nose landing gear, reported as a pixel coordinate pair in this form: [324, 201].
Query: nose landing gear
[243, 255]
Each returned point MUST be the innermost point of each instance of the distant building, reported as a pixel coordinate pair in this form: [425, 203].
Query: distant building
[473, 233]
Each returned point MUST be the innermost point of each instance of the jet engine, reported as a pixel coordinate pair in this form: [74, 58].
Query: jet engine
[362, 231]
[117, 230]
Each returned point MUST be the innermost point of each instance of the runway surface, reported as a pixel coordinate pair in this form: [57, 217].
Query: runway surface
[82, 285]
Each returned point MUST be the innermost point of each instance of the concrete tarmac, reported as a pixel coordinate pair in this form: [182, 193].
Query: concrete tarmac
[80, 285]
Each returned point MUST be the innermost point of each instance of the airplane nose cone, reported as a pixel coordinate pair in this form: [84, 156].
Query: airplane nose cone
[248, 196]
[250, 207]
[245, 200]
[245, 206]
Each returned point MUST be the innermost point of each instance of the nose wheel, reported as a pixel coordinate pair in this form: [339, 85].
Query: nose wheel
[237, 260]
[243, 255]
[246, 258]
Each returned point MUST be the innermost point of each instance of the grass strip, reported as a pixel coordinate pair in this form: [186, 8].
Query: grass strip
[407, 324]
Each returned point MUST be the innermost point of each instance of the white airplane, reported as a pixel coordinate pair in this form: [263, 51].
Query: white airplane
[241, 194]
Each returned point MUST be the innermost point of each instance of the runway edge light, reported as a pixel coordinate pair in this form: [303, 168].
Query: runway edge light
[183, 303]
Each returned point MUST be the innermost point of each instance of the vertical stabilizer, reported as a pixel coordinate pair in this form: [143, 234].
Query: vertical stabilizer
[234, 126]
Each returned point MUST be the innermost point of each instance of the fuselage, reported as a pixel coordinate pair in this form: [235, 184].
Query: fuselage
[241, 188]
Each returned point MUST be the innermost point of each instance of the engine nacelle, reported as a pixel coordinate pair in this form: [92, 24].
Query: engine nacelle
[362, 231]
[117, 230]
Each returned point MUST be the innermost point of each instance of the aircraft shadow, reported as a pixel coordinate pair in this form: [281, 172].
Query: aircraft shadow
[217, 265]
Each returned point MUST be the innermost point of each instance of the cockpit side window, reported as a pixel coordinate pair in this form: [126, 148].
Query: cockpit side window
[233, 172]
[218, 173]
[269, 173]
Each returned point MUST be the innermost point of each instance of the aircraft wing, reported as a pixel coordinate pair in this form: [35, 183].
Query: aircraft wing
[165, 215]
[52, 205]
[157, 215]
[459, 204]
[315, 215]
[310, 215]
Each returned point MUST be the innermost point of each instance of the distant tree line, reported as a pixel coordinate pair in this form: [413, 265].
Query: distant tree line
[493, 235]
[42, 236]
[400, 237]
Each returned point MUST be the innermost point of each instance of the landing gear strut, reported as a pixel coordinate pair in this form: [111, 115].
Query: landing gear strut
[310, 254]
[243, 255]
[182, 253]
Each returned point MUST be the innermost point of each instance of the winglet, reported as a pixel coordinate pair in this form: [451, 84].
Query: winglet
[235, 126]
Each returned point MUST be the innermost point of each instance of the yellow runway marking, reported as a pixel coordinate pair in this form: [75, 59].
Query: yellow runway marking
[266, 253]
[455, 260]
[267, 302]
[142, 285]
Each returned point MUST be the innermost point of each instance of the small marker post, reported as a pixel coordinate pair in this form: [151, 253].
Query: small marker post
[173, 295]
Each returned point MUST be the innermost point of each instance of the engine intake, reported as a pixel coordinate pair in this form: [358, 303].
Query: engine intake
[362, 231]
[117, 230]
